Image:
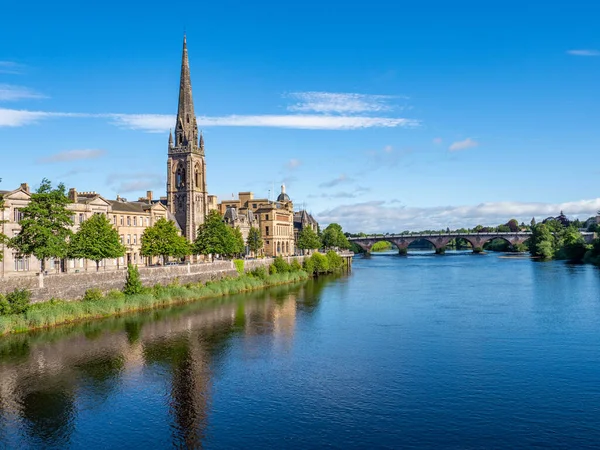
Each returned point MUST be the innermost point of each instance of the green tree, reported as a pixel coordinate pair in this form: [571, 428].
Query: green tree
[573, 246]
[133, 283]
[96, 240]
[513, 225]
[237, 241]
[541, 243]
[213, 236]
[308, 239]
[333, 237]
[254, 241]
[45, 224]
[163, 239]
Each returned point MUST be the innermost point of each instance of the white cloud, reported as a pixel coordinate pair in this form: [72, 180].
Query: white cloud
[343, 178]
[379, 216]
[463, 145]
[437, 141]
[125, 183]
[293, 164]
[11, 67]
[339, 103]
[160, 123]
[72, 155]
[583, 52]
[11, 93]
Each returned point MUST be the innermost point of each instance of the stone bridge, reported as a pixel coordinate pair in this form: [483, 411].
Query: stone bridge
[440, 240]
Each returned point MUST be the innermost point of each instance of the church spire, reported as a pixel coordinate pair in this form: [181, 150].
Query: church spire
[186, 130]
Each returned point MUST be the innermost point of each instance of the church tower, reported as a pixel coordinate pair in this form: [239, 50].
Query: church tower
[187, 198]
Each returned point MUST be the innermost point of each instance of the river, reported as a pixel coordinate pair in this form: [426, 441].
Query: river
[453, 351]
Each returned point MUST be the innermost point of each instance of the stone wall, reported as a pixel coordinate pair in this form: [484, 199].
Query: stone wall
[72, 286]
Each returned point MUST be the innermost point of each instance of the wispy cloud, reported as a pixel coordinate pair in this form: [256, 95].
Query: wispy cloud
[72, 155]
[463, 145]
[125, 183]
[379, 216]
[11, 67]
[343, 178]
[160, 123]
[584, 52]
[72, 173]
[11, 93]
[437, 140]
[293, 164]
[339, 103]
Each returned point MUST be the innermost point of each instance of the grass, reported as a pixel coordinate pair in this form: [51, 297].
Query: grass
[49, 314]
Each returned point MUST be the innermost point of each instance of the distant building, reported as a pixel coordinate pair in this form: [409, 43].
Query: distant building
[244, 220]
[302, 220]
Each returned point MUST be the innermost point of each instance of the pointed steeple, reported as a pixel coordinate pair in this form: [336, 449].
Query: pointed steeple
[201, 144]
[170, 138]
[186, 130]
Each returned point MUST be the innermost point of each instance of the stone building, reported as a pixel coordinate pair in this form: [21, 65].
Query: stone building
[187, 198]
[244, 219]
[129, 218]
[303, 219]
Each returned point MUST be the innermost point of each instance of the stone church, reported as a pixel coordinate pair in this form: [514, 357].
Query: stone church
[187, 198]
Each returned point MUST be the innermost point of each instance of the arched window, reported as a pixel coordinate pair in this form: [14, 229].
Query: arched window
[278, 248]
[180, 177]
[197, 177]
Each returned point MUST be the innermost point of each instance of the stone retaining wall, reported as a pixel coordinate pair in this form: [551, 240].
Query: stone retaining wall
[72, 286]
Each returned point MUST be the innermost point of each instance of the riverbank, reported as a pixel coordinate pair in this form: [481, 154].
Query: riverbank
[115, 303]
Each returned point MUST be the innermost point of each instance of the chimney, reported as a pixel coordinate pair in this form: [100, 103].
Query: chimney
[149, 196]
[118, 197]
[72, 195]
[25, 187]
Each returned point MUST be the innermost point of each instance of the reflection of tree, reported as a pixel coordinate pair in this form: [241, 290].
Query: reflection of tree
[133, 328]
[102, 372]
[49, 415]
[310, 297]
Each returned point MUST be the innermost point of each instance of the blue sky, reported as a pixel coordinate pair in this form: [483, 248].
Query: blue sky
[382, 115]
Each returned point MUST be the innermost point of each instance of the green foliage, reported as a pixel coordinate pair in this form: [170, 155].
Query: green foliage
[239, 265]
[320, 262]
[215, 237]
[133, 284]
[45, 224]
[92, 295]
[272, 269]
[260, 272]
[237, 241]
[309, 266]
[381, 246]
[254, 241]
[295, 266]
[163, 239]
[541, 242]
[96, 240]
[19, 301]
[308, 239]
[513, 225]
[334, 237]
[5, 307]
[573, 246]
[334, 261]
[478, 250]
[281, 265]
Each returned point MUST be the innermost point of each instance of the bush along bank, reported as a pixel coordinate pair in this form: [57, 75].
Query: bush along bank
[17, 314]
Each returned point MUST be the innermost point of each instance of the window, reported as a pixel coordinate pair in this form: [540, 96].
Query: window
[81, 217]
[135, 221]
[135, 239]
[115, 220]
[267, 231]
[135, 257]
[267, 217]
[122, 239]
[128, 221]
[121, 220]
[147, 221]
[141, 221]
[128, 239]
[21, 263]
[18, 215]
[254, 205]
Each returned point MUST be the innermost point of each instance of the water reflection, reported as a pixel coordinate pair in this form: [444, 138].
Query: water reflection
[53, 383]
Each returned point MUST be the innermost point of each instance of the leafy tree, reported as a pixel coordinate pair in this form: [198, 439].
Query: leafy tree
[237, 241]
[513, 225]
[541, 243]
[532, 222]
[45, 224]
[503, 229]
[254, 240]
[333, 236]
[163, 239]
[133, 284]
[308, 239]
[214, 236]
[96, 240]
[573, 245]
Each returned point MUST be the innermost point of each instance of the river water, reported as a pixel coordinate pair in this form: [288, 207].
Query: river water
[453, 351]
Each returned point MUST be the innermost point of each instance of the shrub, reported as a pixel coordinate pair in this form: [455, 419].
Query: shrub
[295, 266]
[92, 295]
[260, 273]
[5, 308]
[19, 300]
[114, 294]
[321, 263]
[309, 266]
[281, 265]
[239, 266]
[272, 269]
[133, 285]
[335, 261]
